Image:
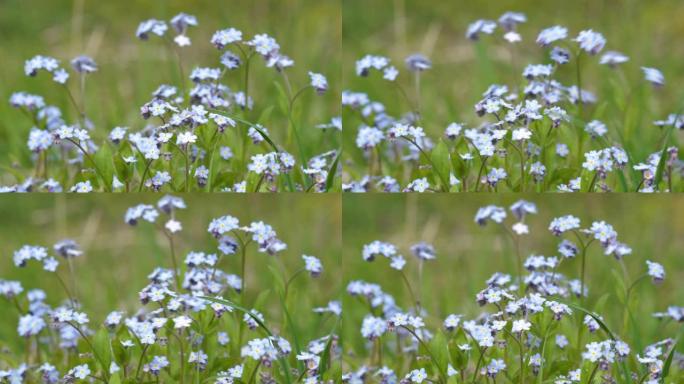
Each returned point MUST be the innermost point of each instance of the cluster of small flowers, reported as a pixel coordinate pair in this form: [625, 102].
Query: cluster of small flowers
[49, 127]
[183, 326]
[529, 322]
[524, 120]
[179, 123]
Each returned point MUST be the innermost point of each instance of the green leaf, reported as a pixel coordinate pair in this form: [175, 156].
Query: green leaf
[104, 160]
[595, 317]
[625, 372]
[261, 299]
[252, 181]
[293, 330]
[563, 175]
[601, 303]
[325, 356]
[278, 279]
[668, 362]
[212, 173]
[115, 379]
[619, 285]
[663, 157]
[283, 99]
[600, 110]
[330, 180]
[439, 347]
[264, 135]
[15, 172]
[265, 115]
[285, 366]
[442, 162]
[103, 349]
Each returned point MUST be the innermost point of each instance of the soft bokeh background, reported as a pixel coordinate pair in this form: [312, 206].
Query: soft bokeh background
[118, 257]
[468, 254]
[308, 31]
[649, 32]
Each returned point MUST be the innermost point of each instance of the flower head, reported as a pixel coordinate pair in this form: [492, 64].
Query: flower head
[590, 41]
[656, 271]
[313, 265]
[549, 35]
[318, 82]
[418, 63]
[654, 76]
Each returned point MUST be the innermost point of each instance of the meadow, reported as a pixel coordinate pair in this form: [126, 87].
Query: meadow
[468, 273]
[115, 269]
[473, 96]
[237, 114]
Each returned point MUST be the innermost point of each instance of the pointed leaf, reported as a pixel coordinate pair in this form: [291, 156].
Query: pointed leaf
[441, 160]
[105, 163]
[330, 180]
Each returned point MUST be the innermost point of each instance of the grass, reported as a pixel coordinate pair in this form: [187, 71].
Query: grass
[118, 258]
[467, 255]
[130, 70]
[462, 70]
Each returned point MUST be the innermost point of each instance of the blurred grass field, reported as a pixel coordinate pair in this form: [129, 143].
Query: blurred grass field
[130, 70]
[467, 254]
[649, 32]
[118, 257]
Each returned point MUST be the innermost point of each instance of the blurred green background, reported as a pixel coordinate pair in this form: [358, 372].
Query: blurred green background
[118, 257]
[467, 254]
[308, 31]
[649, 32]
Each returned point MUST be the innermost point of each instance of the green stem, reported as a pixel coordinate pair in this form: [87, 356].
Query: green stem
[580, 106]
[289, 281]
[253, 375]
[479, 174]
[243, 262]
[432, 357]
[63, 284]
[92, 161]
[182, 358]
[261, 180]
[408, 285]
[144, 175]
[180, 70]
[522, 359]
[90, 345]
[73, 276]
[213, 141]
[543, 351]
[583, 273]
[187, 169]
[593, 373]
[593, 182]
[83, 103]
[173, 261]
[479, 363]
[521, 283]
[445, 185]
[522, 168]
[140, 361]
[300, 149]
[248, 59]
[80, 113]
[417, 85]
